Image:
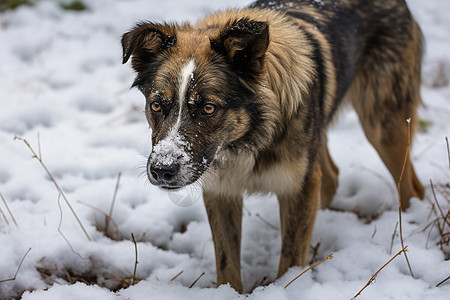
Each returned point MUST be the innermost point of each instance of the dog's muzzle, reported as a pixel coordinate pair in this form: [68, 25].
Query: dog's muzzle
[163, 176]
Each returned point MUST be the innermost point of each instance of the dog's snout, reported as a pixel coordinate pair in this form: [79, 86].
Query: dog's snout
[164, 174]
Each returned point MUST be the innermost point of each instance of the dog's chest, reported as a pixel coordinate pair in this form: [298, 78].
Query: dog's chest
[237, 176]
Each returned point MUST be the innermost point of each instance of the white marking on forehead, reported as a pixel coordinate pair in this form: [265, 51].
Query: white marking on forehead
[172, 149]
[186, 77]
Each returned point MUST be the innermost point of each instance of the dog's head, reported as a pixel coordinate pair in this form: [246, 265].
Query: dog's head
[199, 85]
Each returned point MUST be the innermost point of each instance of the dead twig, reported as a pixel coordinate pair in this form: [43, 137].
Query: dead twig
[376, 273]
[133, 279]
[408, 121]
[39, 158]
[109, 216]
[195, 281]
[9, 211]
[313, 266]
[18, 268]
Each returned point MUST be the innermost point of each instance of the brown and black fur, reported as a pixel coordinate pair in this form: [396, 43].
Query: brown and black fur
[276, 74]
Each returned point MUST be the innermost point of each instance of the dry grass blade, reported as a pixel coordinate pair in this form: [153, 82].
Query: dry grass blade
[438, 206]
[4, 216]
[437, 285]
[109, 216]
[18, 268]
[60, 231]
[315, 251]
[379, 270]
[384, 180]
[133, 279]
[69, 278]
[266, 222]
[176, 276]
[195, 281]
[39, 158]
[9, 211]
[313, 266]
[448, 152]
[115, 234]
[121, 116]
[374, 231]
[408, 121]
[393, 237]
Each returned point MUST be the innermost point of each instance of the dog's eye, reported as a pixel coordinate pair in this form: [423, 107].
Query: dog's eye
[155, 106]
[209, 109]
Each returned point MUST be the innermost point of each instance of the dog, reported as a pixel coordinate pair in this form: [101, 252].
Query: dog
[240, 102]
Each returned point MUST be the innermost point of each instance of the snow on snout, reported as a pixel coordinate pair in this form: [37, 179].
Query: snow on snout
[171, 150]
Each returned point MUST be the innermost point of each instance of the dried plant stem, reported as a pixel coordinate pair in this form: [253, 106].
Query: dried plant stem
[448, 154]
[109, 216]
[205, 243]
[39, 158]
[69, 278]
[9, 211]
[18, 268]
[266, 222]
[59, 228]
[313, 266]
[384, 180]
[176, 276]
[437, 285]
[393, 237]
[408, 121]
[122, 115]
[133, 279]
[4, 216]
[438, 206]
[376, 273]
[195, 281]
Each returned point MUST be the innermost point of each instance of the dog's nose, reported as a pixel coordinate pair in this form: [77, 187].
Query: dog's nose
[164, 174]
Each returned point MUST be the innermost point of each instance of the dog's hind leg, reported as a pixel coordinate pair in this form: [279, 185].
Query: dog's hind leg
[385, 95]
[390, 139]
[329, 175]
[297, 215]
[225, 219]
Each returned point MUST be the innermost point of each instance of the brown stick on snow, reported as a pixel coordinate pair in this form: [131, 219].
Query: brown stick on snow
[376, 273]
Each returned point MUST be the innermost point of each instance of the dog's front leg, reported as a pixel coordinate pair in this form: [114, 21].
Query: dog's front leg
[225, 219]
[297, 216]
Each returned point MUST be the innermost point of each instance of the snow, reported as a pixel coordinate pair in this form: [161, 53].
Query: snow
[61, 77]
[171, 149]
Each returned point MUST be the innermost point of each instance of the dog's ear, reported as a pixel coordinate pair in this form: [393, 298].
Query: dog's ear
[244, 43]
[145, 41]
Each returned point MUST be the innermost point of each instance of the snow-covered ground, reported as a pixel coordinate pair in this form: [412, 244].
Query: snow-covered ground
[61, 80]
